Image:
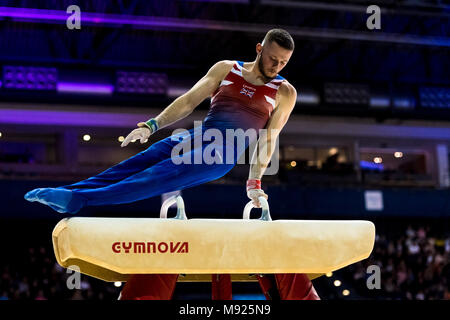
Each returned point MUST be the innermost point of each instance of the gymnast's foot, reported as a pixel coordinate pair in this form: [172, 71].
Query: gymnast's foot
[60, 200]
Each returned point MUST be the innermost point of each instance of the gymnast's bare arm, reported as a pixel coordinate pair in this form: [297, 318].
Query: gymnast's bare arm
[286, 99]
[186, 103]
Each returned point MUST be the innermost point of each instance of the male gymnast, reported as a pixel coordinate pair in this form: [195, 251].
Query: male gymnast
[244, 95]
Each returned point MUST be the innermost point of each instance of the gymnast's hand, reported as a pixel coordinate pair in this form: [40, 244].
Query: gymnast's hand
[254, 194]
[142, 133]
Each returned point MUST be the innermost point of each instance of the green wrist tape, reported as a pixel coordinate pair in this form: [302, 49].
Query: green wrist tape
[152, 124]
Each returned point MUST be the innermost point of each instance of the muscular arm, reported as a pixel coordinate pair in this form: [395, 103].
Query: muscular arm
[186, 103]
[267, 140]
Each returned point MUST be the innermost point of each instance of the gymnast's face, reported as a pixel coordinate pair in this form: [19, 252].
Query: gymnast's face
[272, 58]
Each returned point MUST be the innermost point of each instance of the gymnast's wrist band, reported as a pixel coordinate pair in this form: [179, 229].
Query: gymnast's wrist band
[152, 124]
[253, 184]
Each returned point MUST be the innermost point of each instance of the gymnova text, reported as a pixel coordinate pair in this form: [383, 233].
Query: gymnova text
[150, 247]
[212, 146]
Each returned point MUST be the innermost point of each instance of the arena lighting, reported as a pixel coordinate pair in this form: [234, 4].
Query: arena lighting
[117, 284]
[404, 102]
[321, 5]
[349, 94]
[332, 151]
[329, 274]
[85, 88]
[166, 23]
[370, 165]
[86, 137]
[29, 78]
[0, 134]
[70, 118]
[307, 97]
[345, 292]
[337, 283]
[141, 82]
[378, 160]
[431, 97]
[380, 102]
[121, 139]
[224, 1]
[398, 154]
[293, 163]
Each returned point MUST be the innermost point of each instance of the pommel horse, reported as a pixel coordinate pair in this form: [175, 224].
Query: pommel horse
[113, 249]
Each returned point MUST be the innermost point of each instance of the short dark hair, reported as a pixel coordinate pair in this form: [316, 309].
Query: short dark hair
[281, 37]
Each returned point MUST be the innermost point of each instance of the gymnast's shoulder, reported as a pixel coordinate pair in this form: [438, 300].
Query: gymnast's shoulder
[287, 90]
[221, 68]
[226, 63]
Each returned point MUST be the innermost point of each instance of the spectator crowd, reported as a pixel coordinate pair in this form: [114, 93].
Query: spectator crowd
[414, 266]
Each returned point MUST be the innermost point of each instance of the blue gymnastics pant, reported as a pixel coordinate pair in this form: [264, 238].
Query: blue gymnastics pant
[153, 172]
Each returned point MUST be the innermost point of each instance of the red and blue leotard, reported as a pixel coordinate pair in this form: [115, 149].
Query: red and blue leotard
[236, 104]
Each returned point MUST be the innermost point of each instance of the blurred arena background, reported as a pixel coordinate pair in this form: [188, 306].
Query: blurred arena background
[368, 139]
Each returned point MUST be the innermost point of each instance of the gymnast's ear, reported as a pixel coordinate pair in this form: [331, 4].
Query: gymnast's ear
[259, 47]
